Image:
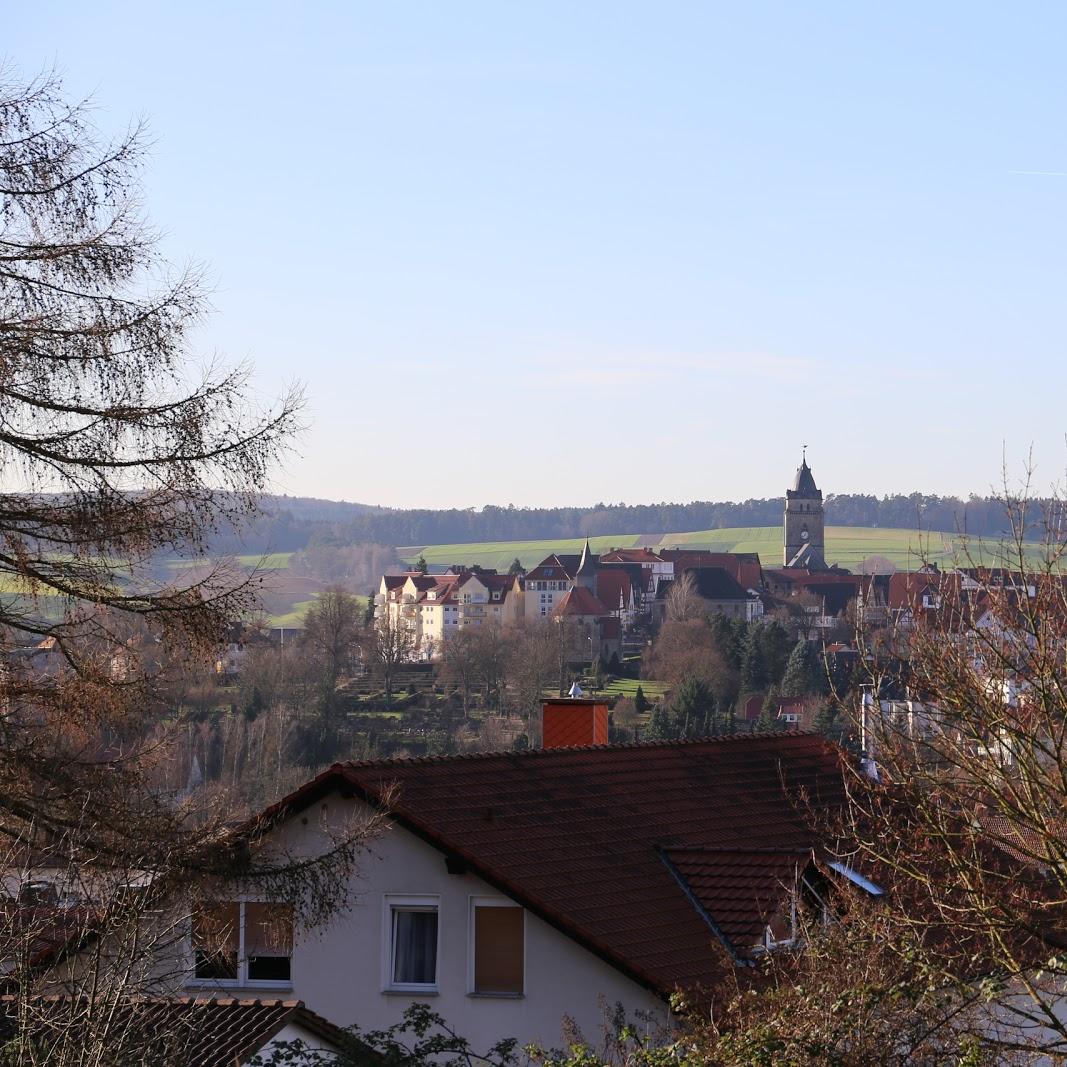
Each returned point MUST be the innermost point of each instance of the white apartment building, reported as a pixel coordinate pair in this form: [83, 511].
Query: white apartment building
[433, 606]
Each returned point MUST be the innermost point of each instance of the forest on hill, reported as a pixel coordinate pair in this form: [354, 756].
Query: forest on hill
[292, 523]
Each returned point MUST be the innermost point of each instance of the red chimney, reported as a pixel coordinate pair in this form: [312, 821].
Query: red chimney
[569, 722]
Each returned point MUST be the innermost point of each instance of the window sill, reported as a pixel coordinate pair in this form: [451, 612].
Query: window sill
[231, 985]
[411, 991]
[497, 996]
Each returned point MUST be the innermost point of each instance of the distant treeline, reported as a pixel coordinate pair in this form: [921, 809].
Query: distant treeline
[290, 523]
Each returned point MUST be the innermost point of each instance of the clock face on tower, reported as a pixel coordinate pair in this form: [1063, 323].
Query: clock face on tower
[803, 535]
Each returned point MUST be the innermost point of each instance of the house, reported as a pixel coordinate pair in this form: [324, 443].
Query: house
[743, 567]
[514, 889]
[591, 633]
[615, 590]
[196, 1031]
[791, 713]
[431, 607]
[721, 593]
[651, 568]
[547, 584]
[231, 656]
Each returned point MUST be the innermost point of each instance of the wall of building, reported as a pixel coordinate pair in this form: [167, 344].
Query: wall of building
[338, 971]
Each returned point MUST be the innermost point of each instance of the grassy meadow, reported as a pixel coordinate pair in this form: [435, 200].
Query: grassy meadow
[287, 595]
[848, 546]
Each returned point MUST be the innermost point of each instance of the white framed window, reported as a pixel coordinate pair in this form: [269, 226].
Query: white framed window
[410, 943]
[496, 948]
[242, 943]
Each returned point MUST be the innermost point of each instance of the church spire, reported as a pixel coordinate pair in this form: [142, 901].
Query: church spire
[804, 482]
[586, 573]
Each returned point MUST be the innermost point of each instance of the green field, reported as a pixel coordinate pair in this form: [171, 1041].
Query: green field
[500, 554]
[287, 594]
[848, 546]
[273, 561]
[627, 687]
[294, 617]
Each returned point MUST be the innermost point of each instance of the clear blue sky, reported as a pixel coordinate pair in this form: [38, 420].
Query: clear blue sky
[560, 253]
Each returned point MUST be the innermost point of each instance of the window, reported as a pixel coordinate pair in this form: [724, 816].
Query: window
[241, 942]
[411, 959]
[497, 956]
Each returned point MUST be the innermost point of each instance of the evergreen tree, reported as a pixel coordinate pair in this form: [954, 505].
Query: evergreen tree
[825, 719]
[776, 646]
[516, 567]
[768, 716]
[641, 701]
[694, 707]
[805, 672]
[661, 725]
[421, 565]
[754, 674]
[729, 638]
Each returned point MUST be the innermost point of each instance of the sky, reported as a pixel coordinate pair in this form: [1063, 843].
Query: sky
[558, 254]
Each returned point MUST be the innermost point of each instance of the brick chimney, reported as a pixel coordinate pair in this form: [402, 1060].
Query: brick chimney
[569, 722]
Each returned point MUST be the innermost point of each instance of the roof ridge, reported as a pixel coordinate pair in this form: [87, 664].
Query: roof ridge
[532, 753]
[764, 850]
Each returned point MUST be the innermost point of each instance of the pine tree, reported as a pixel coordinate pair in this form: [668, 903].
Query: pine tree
[804, 673]
[768, 716]
[729, 638]
[754, 673]
[693, 707]
[641, 701]
[661, 726]
[825, 717]
[776, 646]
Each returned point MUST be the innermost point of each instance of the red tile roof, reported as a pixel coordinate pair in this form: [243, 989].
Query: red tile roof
[579, 601]
[576, 834]
[555, 567]
[614, 589]
[744, 567]
[738, 890]
[194, 1032]
[631, 555]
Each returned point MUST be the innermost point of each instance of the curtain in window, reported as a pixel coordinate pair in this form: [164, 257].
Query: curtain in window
[414, 947]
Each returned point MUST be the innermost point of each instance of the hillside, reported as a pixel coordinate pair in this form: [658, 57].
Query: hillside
[848, 546]
[287, 593]
[289, 523]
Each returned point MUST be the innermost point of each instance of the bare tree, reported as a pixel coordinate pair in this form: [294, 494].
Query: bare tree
[460, 663]
[387, 646]
[965, 721]
[491, 658]
[533, 666]
[332, 632]
[116, 447]
[684, 603]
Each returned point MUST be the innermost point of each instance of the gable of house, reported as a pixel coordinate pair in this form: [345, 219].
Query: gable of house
[576, 835]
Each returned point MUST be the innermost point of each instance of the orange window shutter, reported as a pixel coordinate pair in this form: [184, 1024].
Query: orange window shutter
[498, 950]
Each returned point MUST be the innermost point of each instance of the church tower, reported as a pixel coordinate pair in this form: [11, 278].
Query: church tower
[804, 544]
